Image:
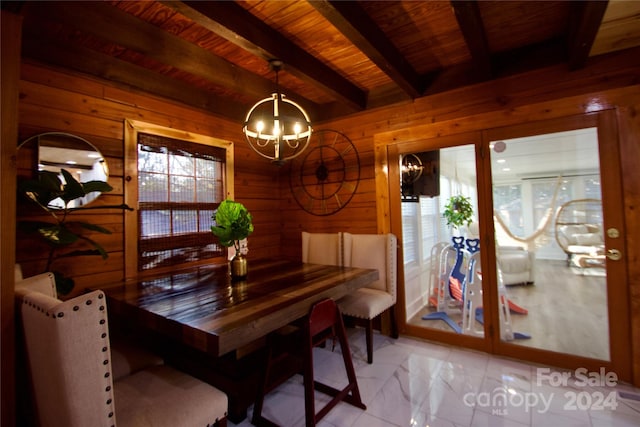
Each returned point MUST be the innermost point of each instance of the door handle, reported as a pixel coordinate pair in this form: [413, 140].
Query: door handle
[614, 254]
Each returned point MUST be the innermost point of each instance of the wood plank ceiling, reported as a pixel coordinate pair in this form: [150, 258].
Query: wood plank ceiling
[340, 56]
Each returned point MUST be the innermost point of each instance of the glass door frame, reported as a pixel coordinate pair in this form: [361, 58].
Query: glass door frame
[387, 160]
[393, 155]
[613, 211]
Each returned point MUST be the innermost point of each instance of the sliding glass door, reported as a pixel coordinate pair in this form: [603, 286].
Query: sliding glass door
[558, 230]
[535, 270]
[437, 248]
[438, 203]
[547, 204]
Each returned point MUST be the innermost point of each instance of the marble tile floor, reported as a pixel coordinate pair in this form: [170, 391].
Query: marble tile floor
[422, 384]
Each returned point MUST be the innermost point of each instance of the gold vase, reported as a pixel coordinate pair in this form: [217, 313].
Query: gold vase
[239, 267]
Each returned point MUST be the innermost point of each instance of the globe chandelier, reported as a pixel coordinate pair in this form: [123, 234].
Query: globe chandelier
[276, 127]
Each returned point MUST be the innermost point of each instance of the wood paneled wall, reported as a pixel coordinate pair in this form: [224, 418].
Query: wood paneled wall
[54, 100]
[629, 126]
[10, 28]
[358, 216]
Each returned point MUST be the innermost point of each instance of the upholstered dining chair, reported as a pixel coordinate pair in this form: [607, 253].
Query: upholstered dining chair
[372, 251]
[322, 248]
[127, 356]
[45, 283]
[68, 356]
[17, 272]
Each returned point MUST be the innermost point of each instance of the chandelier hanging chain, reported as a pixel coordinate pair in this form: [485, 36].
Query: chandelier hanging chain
[275, 67]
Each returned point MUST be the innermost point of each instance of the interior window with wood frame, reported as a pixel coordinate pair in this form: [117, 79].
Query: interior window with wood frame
[175, 180]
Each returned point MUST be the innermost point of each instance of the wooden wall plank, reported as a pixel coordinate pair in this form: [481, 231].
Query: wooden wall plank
[629, 121]
[11, 29]
[32, 71]
[65, 121]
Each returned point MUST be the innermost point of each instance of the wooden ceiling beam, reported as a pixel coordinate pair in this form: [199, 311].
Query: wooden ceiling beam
[584, 29]
[527, 58]
[355, 24]
[509, 63]
[470, 21]
[232, 22]
[84, 60]
[115, 26]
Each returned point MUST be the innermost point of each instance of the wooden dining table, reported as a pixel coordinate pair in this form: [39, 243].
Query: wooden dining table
[219, 320]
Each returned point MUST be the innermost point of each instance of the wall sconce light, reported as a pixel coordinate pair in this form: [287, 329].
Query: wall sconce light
[276, 127]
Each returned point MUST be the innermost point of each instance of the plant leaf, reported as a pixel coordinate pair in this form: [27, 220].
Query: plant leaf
[458, 211]
[72, 189]
[62, 233]
[58, 235]
[46, 188]
[99, 186]
[97, 246]
[50, 181]
[32, 226]
[232, 222]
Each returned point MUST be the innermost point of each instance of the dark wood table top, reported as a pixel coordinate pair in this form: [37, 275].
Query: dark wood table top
[202, 308]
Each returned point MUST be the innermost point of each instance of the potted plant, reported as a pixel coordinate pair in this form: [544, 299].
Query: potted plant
[458, 211]
[233, 223]
[63, 232]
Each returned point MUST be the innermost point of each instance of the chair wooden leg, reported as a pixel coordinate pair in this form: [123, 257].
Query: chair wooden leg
[369, 335]
[354, 398]
[349, 394]
[262, 390]
[394, 323]
[309, 393]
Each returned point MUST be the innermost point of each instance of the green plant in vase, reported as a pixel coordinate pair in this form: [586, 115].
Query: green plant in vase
[63, 232]
[458, 211]
[233, 223]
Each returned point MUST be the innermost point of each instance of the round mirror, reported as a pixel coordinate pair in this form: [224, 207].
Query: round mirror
[54, 151]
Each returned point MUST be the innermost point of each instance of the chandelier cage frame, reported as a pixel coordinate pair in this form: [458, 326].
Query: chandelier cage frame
[411, 168]
[276, 127]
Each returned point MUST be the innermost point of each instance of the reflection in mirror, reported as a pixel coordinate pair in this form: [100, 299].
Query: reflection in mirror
[53, 151]
[443, 286]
